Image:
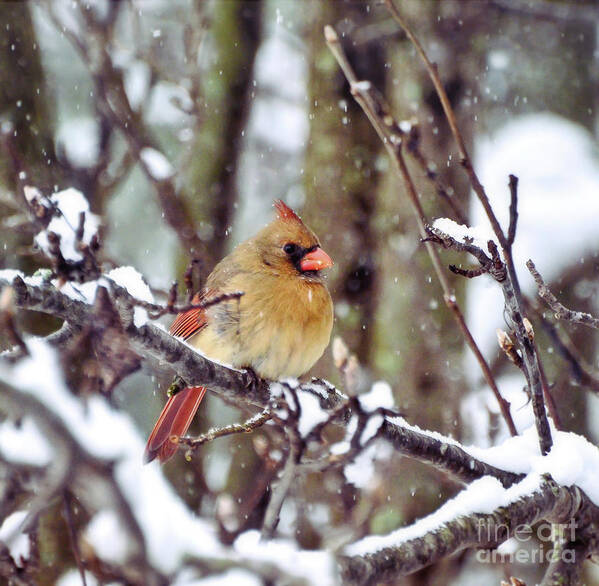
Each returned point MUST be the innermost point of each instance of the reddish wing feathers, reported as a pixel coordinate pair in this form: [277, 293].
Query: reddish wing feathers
[190, 322]
[174, 421]
[180, 409]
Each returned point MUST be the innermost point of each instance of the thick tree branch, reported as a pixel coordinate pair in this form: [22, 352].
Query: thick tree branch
[448, 456]
[551, 502]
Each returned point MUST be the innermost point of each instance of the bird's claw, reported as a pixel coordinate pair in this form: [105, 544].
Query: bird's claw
[176, 386]
[252, 379]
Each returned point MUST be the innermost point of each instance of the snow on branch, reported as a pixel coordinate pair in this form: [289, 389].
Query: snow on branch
[484, 515]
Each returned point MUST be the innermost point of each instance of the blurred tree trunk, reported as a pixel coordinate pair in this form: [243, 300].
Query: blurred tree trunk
[342, 179]
[26, 136]
[227, 94]
[27, 130]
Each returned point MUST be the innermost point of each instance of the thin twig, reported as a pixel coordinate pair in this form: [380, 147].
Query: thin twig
[280, 490]
[247, 426]
[511, 233]
[560, 311]
[581, 372]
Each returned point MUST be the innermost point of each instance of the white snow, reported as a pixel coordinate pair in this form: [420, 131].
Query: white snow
[105, 531]
[24, 443]
[17, 542]
[234, 576]
[158, 166]
[163, 107]
[79, 137]
[136, 80]
[316, 567]
[164, 519]
[85, 292]
[311, 412]
[279, 122]
[361, 471]
[71, 203]
[573, 460]
[10, 274]
[476, 235]
[126, 277]
[73, 578]
[130, 279]
[380, 395]
[482, 496]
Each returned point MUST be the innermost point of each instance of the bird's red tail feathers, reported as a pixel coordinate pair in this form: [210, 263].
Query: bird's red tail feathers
[173, 422]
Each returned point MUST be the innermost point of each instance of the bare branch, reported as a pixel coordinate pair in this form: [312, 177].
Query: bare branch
[511, 233]
[560, 311]
[431, 69]
[247, 426]
[114, 104]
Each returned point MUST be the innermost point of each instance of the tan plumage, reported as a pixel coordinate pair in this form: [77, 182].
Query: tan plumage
[279, 327]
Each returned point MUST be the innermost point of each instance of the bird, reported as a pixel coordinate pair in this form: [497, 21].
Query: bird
[278, 328]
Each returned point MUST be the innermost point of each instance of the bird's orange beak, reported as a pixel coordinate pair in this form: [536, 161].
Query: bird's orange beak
[316, 260]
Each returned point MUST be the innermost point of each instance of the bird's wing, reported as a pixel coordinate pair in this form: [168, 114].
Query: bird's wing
[190, 322]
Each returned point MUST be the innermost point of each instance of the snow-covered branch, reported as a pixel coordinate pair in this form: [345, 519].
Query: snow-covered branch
[376, 559]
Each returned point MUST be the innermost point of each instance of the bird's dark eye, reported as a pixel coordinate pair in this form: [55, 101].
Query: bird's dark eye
[290, 248]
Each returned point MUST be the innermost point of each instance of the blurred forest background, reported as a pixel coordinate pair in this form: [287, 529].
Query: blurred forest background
[245, 101]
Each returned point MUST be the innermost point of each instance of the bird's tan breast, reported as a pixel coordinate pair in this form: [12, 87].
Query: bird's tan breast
[280, 327]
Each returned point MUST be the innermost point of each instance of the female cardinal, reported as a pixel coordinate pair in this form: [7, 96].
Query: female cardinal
[279, 327]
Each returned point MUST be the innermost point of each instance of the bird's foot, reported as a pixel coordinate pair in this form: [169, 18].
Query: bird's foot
[252, 380]
[176, 386]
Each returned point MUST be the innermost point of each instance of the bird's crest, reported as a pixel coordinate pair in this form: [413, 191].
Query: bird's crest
[284, 212]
